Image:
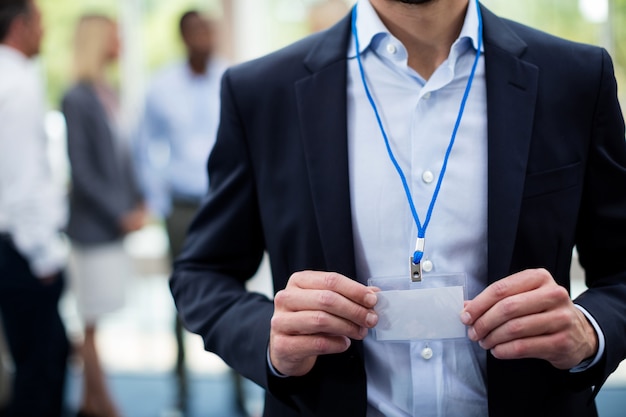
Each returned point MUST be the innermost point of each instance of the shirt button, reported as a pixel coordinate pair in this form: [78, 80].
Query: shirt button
[391, 48]
[428, 177]
[427, 266]
[426, 96]
[427, 353]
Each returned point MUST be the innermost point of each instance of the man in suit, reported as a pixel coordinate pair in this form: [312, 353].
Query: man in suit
[32, 213]
[301, 169]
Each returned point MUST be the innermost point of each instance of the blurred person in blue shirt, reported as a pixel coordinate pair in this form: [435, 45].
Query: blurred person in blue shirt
[180, 121]
[32, 213]
[175, 137]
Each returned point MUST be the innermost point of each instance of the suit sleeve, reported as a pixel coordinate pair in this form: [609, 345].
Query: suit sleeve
[601, 241]
[223, 250]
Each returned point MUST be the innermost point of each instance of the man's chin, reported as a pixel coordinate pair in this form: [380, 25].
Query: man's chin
[414, 1]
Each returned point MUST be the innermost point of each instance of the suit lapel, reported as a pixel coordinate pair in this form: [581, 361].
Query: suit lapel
[511, 97]
[322, 101]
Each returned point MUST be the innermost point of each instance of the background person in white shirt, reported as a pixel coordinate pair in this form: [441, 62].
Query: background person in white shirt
[32, 213]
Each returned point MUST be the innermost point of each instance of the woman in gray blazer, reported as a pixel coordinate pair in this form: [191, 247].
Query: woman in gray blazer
[105, 203]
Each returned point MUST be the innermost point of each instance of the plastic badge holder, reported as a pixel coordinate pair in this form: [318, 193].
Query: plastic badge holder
[425, 310]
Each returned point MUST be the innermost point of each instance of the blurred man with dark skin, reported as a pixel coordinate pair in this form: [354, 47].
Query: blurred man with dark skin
[199, 35]
[32, 212]
[180, 121]
[181, 117]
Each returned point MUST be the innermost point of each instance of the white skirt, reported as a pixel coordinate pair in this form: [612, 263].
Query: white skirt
[99, 276]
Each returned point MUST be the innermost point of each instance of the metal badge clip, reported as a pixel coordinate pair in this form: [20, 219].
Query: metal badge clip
[416, 260]
[416, 270]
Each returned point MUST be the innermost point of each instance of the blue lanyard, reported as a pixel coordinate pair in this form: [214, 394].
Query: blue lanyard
[421, 228]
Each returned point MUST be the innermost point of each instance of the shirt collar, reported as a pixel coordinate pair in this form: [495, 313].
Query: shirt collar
[13, 54]
[370, 27]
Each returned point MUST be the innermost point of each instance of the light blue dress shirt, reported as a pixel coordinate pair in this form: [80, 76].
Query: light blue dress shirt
[403, 379]
[177, 134]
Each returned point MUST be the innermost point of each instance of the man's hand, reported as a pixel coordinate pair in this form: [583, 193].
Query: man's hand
[317, 314]
[528, 315]
[133, 220]
[49, 279]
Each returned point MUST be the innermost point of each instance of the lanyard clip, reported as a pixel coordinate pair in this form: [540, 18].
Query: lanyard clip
[416, 260]
[416, 270]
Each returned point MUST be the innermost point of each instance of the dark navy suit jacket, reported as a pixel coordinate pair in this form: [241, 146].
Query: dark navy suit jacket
[279, 183]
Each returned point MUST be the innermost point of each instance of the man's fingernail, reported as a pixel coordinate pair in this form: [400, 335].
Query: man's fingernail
[363, 331]
[371, 299]
[371, 319]
[466, 318]
[471, 333]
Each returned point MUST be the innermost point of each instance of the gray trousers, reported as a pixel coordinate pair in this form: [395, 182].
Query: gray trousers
[176, 226]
